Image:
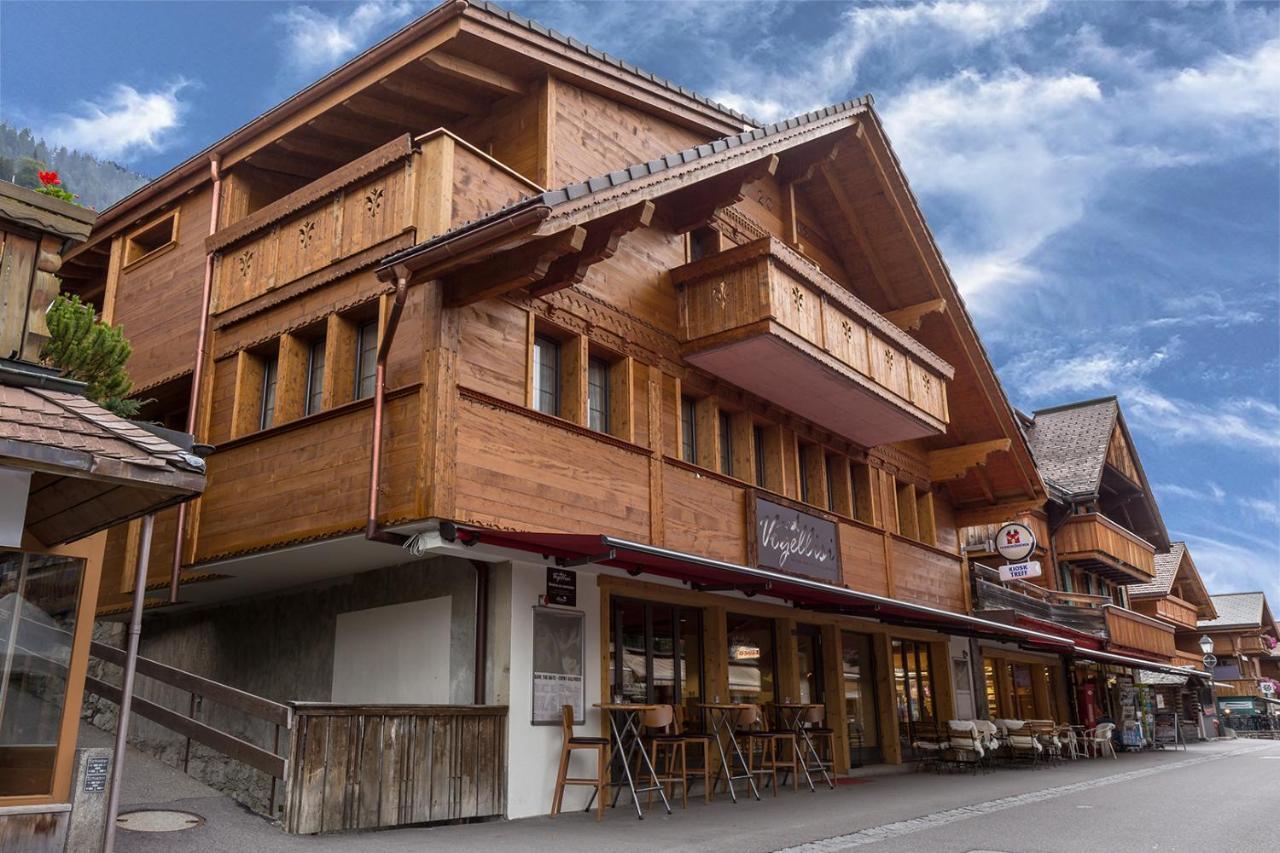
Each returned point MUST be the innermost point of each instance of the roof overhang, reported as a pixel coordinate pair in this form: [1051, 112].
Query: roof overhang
[709, 575]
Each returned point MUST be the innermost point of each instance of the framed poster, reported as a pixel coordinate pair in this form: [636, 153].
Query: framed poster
[558, 654]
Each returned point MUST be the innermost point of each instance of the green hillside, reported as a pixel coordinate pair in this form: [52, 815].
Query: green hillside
[98, 183]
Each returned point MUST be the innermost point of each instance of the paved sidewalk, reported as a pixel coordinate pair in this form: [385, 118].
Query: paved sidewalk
[884, 806]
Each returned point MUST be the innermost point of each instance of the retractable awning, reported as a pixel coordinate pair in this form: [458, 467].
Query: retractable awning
[703, 574]
[1138, 663]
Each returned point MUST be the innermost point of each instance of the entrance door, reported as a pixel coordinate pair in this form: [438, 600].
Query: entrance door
[913, 682]
[860, 699]
[656, 653]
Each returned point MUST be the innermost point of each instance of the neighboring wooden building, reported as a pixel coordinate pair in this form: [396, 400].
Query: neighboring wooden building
[68, 471]
[420, 364]
[1101, 541]
[1244, 635]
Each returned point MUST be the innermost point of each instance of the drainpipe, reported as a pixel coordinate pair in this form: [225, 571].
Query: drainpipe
[371, 530]
[201, 341]
[126, 687]
[482, 628]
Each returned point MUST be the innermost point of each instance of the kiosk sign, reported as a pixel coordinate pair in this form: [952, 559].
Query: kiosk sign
[1015, 542]
[1020, 571]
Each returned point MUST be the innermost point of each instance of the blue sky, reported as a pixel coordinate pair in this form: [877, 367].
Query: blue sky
[1104, 178]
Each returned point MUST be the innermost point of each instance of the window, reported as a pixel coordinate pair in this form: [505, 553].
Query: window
[151, 238]
[546, 375]
[598, 394]
[315, 377]
[366, 359]
[688, 430]
[757, 438]
[270, 370]
[751, 659]
[829, 469]
[804, 472]
[726, 444]
[703, 243]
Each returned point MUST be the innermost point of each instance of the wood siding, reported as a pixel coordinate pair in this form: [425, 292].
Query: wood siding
[1094, 538]
[1139, 633]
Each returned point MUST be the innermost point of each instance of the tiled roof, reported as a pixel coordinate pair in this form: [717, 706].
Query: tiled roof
[570, 41]
[1236, 609]
[67, 421]
[1069, 443]
[1166, 570]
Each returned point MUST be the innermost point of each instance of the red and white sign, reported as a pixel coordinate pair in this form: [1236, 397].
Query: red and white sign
[1015, 541]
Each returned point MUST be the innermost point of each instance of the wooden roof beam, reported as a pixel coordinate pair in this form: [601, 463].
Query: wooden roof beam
[602, 241]
[327, 148]
[432, 96]
[274, 160]
[909, 318]
[397, 112]
[693, 206]
[799, 164]
[505, 272]
[953, 463]
[354, 128]
[878, 275]
[471, 72]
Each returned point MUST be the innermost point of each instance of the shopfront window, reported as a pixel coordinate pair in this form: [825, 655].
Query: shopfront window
[913, 683]
[38, 597]
[752, 659]
[1024, 702]
[661, 660]
[994, 708]
[860, 698]
[809, 654]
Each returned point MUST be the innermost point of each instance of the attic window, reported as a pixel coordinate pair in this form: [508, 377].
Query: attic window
[151, 238]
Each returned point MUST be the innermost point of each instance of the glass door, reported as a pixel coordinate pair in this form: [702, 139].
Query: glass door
[913, 683]
[656, 653]
[809, 652]
[860, 699]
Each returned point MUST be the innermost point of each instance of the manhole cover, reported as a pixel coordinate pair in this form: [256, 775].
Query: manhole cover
[158, 820]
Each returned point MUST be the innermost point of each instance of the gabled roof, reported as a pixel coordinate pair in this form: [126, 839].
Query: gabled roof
[1239, 610]
[1070, 444]
[1166, 570]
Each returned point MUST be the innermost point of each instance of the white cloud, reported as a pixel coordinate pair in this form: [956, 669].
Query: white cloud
[911, 32]
[123, 121]
[1246, 564]
[316, 40]
[1262, 508]
[1213, 494]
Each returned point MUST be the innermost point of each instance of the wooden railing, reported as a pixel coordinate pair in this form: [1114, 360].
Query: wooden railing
[1076, 611]
[368, 766]
[200, 689]
[1138, 632]
[1093, 539]
[765, 318]
[1176, 610]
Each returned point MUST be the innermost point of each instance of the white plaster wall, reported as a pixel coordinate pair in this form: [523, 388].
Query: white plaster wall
[533, 752]
[393, 654]
[965, 683]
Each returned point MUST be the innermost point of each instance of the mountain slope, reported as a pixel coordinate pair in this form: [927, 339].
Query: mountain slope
[98, 183]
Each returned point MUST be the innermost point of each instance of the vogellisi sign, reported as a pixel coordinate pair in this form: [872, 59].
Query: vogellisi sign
[1015, 542]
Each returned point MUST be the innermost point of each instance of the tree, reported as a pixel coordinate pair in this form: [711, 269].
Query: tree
[88, 351]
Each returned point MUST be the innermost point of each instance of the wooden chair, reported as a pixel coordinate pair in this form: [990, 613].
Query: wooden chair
[823, 738]
[661, 722]
[572, 742]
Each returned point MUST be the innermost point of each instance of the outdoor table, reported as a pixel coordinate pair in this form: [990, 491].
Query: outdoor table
[720, 724]
[791, 718]
[626, 740]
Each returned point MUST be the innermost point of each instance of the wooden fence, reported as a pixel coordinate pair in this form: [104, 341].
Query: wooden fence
[367, 766]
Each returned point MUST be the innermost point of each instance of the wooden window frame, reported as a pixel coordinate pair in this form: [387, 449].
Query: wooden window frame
[131, 260]
[268, 396]
[361, 328]
[542, 344]
[599, 376]
[757, 450]
[687, 420]
[314, 388]
[724, 425]
[812, 459]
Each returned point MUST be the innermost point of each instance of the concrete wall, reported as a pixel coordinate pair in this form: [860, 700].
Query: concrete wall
[281, 647]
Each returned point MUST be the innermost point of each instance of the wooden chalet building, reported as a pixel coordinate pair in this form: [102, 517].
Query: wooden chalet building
[1245, 637]
[1110, 581]
[485, 304]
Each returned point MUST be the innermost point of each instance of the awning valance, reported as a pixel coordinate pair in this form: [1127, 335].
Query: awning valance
[1139, 663]
[705, 574]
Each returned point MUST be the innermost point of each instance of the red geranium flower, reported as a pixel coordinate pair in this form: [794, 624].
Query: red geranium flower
[49, 179]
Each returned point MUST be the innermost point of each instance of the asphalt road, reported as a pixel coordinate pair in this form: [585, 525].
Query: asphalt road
[1220, 796]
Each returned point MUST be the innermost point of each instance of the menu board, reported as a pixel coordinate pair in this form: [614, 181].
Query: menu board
[557, 665]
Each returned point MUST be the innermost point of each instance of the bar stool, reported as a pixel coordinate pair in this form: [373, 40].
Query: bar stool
[751, 725]
[819, 734]
[661, 721]
[701, 739]
[601, 780]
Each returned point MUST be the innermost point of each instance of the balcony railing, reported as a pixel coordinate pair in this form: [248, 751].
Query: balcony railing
[1096, 542]
[767, 320]
[1139, 633]
[1076, 611]
[1174, 610]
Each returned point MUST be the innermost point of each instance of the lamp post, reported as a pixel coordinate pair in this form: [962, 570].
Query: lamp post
[1206, 646]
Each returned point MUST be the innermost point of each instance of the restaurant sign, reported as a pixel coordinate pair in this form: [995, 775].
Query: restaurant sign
[562, 587]
[789, 540]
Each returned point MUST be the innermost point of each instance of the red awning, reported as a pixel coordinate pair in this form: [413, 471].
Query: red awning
[1139, 663]
[713, 575]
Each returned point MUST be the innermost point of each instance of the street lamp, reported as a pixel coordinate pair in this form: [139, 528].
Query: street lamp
[1206, 646]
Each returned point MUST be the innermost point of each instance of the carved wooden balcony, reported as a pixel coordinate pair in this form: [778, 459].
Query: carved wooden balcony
[1004, 601]
[767, 320]
[1095, 542]
[1130, 631]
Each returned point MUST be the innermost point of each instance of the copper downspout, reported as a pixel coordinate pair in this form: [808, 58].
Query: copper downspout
[371, 530]
[126, 686]
[201, 340]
